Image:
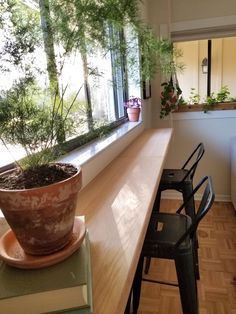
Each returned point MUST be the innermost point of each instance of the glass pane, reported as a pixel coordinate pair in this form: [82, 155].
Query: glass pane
[71, 81]
[133, 58]
[193, 79]
[101, 88]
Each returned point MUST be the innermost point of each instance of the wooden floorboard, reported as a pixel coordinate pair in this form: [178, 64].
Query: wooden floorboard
[217, 257]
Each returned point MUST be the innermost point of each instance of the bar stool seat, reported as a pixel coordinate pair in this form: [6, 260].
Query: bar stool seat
[170, 236]
[181, 180]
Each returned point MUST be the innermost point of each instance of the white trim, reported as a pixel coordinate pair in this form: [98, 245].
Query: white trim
[174, 195]
[84, 154]
[204, 23]
[204, 29]
[199, 115]
[95, 156]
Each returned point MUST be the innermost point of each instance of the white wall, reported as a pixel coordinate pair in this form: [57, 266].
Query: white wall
[216, 133]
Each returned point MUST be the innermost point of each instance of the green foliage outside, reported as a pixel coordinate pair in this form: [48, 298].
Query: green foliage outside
[38, 118]
[34, 124]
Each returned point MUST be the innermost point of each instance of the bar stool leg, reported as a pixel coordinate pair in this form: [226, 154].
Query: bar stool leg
[127, 309]
[190, 210]
[147, 265]
[156, 208]
[157, 202]
[187, 283]
[190, 205]
[137, 285]
[195, 255]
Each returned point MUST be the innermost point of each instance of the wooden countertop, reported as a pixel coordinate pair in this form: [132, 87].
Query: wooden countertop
[117, 206]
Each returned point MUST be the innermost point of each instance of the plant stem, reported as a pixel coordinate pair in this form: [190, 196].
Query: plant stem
[15, 161]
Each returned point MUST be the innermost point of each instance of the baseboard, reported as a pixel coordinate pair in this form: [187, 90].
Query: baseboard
[174, 195]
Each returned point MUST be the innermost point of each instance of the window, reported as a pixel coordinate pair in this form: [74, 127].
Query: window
[99, 82]
[198, 81]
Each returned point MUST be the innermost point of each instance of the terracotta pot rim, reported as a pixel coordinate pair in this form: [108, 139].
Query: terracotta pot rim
[45, 186]
[135, 109]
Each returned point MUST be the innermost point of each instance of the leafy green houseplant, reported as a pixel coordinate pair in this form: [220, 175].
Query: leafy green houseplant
[37, 198]
[194, 96]
[133, 106]
[169, 65]
[170, 97]
[221, 97]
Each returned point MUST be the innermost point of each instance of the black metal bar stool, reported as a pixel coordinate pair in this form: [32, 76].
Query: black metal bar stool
[170, 236]
[181, 180]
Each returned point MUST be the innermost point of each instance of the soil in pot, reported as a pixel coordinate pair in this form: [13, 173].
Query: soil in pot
[36, 177]
[39, 205]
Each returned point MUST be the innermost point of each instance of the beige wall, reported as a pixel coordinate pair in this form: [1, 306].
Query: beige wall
[185, 10]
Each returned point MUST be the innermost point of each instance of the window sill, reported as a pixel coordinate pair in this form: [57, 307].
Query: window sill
[83, 154]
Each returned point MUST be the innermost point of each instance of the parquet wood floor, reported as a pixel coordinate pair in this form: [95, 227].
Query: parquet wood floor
[217, 258]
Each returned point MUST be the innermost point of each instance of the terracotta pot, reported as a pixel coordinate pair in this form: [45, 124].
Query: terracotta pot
[42, 218]
[133, 114]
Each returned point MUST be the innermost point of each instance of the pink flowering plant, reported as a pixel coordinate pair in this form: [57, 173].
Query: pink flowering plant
[133, 102]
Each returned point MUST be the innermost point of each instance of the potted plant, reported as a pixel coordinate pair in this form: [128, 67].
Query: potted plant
[169, 65]
[133, 106]
[38, 198]
[170, 98]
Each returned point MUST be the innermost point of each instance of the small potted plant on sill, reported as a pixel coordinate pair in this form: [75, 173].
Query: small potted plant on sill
[133, 106]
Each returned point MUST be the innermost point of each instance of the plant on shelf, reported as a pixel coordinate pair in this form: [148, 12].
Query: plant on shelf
[133, 106]
[194, 97]
[220, 97]
[223, 94]
[37, 198]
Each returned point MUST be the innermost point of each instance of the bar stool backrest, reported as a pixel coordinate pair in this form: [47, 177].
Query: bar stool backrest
[203, 208]
[197, 153]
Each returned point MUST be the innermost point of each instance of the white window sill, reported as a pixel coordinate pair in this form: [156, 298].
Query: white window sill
[83, 154]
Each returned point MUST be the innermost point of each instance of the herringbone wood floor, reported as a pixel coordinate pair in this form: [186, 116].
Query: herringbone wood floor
[217, 254]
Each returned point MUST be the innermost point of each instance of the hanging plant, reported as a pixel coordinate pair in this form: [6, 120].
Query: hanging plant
[169, 66]
[170, 97]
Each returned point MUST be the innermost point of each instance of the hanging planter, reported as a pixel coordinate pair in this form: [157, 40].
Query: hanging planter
[169, 66]
[170, 97]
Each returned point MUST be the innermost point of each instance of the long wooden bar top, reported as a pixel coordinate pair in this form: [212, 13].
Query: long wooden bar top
[117, 206]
